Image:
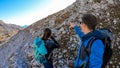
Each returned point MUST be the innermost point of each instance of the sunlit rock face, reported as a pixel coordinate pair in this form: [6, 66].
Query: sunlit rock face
[18, 51]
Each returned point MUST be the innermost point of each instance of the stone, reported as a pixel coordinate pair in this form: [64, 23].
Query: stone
[18, 50]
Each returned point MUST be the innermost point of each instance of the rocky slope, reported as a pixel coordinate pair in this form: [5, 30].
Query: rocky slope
[7, 30]
[18, 51]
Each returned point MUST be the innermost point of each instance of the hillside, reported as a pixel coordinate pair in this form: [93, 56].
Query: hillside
[7, 30]
[18, 51]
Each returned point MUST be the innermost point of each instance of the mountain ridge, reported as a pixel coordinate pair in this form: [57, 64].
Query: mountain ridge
[21, 51]
[7, 30]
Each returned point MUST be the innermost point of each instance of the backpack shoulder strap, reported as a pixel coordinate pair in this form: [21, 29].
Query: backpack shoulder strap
[88, 47]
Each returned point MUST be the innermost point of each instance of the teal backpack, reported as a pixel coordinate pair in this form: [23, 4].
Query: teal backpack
[39, 50]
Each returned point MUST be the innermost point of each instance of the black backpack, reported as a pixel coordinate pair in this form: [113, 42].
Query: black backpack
[106, 38]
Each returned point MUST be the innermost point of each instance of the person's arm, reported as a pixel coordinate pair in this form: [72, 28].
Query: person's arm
[78, 31]
[56, 44]
[96, 54]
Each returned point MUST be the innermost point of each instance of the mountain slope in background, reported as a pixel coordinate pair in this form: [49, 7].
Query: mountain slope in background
[7, 30]
[25, 26]
[18, 51]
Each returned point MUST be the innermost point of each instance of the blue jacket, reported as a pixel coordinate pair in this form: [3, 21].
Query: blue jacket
[96, 54]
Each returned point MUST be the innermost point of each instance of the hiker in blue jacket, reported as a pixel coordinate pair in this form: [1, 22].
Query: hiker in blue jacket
[50, 44]
[87, 27]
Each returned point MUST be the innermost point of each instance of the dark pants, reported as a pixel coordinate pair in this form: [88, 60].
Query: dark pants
[48, 65]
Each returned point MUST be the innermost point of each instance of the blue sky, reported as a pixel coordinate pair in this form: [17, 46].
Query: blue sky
[26, 12]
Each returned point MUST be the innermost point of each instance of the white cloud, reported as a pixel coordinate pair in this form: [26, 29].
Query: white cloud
[31, 17]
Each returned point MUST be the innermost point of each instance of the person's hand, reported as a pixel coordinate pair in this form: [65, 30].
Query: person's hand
[52, 37]
[72, 25]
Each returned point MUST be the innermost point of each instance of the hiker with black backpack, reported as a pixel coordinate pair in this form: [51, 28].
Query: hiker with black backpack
[43, 48]
[94, 50]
